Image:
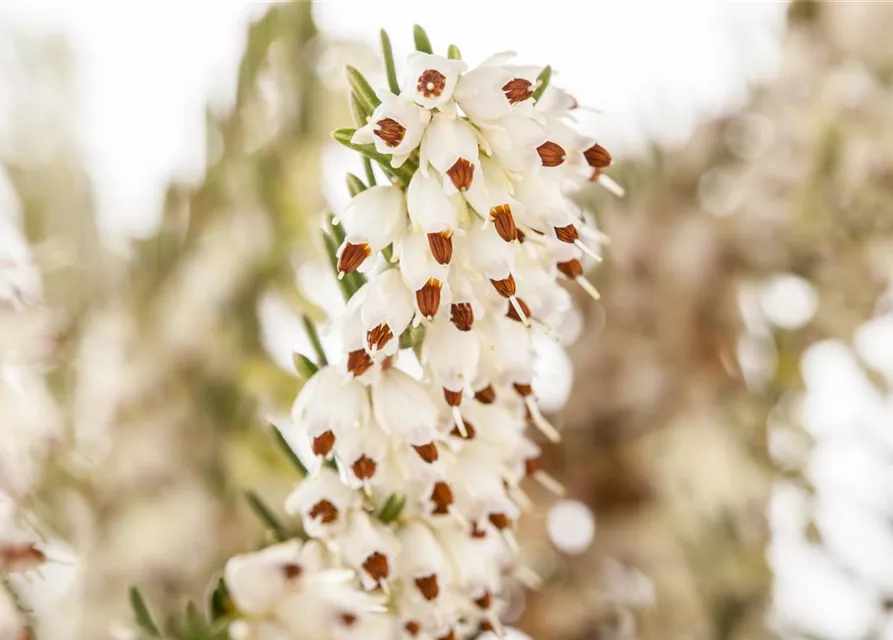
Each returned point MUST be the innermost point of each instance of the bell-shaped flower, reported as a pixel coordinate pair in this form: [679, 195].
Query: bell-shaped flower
[424, 274]
[494, 258]
[323, 503]
[404, 408]
[421, 561]
[490, 90]
[563, 149]
[491, 197]
[434, 212]
[431, 79]
[330, 607]
[451, 146]
[257, 581]
[395, 128]
[452, 356]
[386, 311]
[369, 547]
[476, 560]
[329, 406]
[514, 140]
[372, 220]
[363, 450]
[481, 496]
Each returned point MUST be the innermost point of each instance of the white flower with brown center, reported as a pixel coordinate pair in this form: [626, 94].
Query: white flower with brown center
[323, 503]
[370, 548]
[372, 220]
[328, 407]
[492, 89]
[258, 581]
[434, 212]
[451, 146]
[452, 355]
[395, 128]
[387, 309]
[431, 79]
[424, 274]
[514, 139]
[421, 561]
[491, 197]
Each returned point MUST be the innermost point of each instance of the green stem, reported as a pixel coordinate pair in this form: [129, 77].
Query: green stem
[313, 335]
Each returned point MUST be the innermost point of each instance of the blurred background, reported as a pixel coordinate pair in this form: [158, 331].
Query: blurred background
[727, 408]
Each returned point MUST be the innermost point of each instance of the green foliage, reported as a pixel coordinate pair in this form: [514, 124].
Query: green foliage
[390, 69]
[542, 83]
[267, 517]
[392, 508]
[422, 43]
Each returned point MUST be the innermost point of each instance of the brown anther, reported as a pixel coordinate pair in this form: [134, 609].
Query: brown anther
[387, 363]
[390, 131]
[461, 174]
[358, 362]
[531, 465]
[428, 297]
[379, 336]
[347, 619]
[504, 222]
[325, 511]
[523, 389]
[442, 497]
[352, 256]
[567, 234]
[441, 245]
[477, 532]
[518, 90]
[551, 154]
[363, 467]
[506, 288]
[427, 452]
[428, 586]
[500, 520]
[292, 570]
[487, 395]
[486, 626]
[573, 269]
[323, 443]
[469, 429]
[20, 554]
[595, 174]
[484, 601]
[412, 628]
[453, 398]
[431, 83]
[462, 315]
[513, 313]
[450, 636]
[376, 565]
[597, 156]
[521, 236]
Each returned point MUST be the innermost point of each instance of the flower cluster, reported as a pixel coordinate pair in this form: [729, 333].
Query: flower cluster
[416, 488]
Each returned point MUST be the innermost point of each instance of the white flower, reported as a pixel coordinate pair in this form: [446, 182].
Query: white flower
[369, 547]
[363, 450]
[434, 212]
[490, 90]
[404, 408]
[328, 406]
[514, 139]
[323, 503]
[257, 581]
[396, 128]
[372, 220]
[421, 560]
[490, 195]
[452, 356]
[424, 274]
[431, 79]
[563, 149]
[386, 310]
[451, 146]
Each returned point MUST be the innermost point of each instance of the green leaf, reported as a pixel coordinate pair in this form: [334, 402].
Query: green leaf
[304, 366]
[362, 90]
[358, 111]
[141, 613]
[266, 515]
[288, 451]
[220, 605]
[542, 83]
[388, 54]
[355, 185]
[422, 43]
[335, 230]
[453, 53]
[392, 508]
[313, 336]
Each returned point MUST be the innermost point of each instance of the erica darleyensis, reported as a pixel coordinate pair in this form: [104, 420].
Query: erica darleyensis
[409, 511]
